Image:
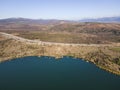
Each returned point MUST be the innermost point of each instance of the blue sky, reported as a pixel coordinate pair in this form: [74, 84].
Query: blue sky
[59, 9]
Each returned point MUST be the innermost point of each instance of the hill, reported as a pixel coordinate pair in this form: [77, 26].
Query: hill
[98, 43]
[63, 31]
[104, 19]
[31, 21]
[105, 56]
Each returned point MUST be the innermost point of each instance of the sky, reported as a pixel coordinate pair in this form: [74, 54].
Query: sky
[59, 9]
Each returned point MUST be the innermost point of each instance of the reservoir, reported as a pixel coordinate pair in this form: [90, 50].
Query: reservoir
[48, 73]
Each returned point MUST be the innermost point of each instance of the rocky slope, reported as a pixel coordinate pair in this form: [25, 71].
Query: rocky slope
[105, 56]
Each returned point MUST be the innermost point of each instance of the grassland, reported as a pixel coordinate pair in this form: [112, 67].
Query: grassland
[95, 42]
[88, 33]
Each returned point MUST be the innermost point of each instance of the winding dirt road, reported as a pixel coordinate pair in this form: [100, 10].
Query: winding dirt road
[10, 36]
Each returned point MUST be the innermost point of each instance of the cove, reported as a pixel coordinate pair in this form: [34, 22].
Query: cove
[48, 73]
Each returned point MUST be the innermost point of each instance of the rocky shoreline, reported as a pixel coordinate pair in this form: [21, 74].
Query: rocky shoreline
[104, 56]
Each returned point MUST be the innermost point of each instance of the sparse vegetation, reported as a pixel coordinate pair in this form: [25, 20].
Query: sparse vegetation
[116, 49]
[89, 33]
[106, 57]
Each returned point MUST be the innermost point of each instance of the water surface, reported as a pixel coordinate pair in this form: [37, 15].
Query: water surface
[48, 73]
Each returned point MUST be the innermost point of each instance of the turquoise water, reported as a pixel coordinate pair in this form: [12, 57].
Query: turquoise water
[48, 73]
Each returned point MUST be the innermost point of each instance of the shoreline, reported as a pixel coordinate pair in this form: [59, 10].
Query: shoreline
[87, 61]
[99, 54]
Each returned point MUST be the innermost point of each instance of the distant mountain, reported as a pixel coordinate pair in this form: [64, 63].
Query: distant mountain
[55, 21]
[31, 21]
[105, 19]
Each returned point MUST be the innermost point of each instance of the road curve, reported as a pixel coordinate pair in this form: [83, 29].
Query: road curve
[9, 36]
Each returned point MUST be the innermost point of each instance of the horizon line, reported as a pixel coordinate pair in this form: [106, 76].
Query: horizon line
[58, 18]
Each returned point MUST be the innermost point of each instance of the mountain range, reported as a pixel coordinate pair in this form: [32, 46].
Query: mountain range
[104, 19]
[31, 21]
[55, 21]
